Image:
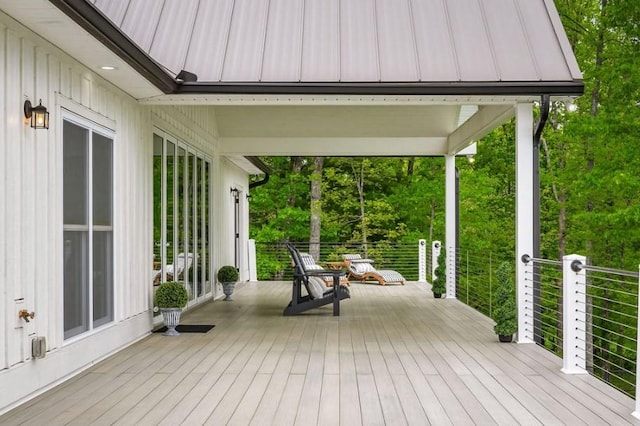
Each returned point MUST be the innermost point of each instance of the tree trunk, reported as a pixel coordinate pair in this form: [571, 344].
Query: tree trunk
[316, 207]
[296, 167]
[358, 177]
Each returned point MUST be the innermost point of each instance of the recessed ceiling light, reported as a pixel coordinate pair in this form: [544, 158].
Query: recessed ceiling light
[107, 68]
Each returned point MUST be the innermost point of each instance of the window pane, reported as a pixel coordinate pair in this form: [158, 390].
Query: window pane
[181, 202]
[171, 205]
[207, 251]
[102, 277]
[76, 294]
[102, 179]
[75, 149]
[193, 225]
[157, 205]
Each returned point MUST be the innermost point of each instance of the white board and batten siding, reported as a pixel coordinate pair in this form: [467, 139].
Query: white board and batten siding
[31, 222]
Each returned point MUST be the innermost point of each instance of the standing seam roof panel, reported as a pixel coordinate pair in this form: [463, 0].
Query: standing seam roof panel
[243, 60]
[436, 55]
[507, 36]
[170, 44]
[282, 55]
[351, 40]
[471, 41]
[358, 41]
[114, 10]
[398, 60]
[141, 20]
[321, 41]
[209, 40]
[544, 42]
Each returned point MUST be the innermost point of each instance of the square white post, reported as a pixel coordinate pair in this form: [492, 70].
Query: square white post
[450, 223]
[524, 217]
[574, 296]
[636, 412]
[422, 261]
[435, 252]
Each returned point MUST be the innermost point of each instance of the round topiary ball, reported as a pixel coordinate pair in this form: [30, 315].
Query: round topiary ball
[171, 295]
[227, 274]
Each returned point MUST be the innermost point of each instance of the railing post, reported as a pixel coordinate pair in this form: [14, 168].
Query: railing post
[435, 252]
[574, 292]
[636, 412]
[422, 261]
[525, 302]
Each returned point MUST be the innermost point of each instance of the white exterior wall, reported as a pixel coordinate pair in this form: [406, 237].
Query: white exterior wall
[233, 177]
[31, 222]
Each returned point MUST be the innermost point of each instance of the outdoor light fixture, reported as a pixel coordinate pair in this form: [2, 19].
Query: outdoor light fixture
[39, 115]
[235, 191]
[571, 106]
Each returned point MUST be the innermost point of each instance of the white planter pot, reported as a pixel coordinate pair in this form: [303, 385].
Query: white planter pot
[171, 318]
[227, 289]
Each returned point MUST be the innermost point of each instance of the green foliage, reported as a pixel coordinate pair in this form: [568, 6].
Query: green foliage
[171, 294]
[227, 274]
[439, 285]
[505, 300]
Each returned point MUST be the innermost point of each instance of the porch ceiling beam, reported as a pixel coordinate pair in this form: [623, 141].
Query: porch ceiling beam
[336, 99]
[331, 146]
[482, 122]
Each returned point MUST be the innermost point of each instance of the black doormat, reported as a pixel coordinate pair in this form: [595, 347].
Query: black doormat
[188, 328]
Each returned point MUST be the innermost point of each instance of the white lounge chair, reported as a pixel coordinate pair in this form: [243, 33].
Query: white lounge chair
[174, 272]
[362, 270]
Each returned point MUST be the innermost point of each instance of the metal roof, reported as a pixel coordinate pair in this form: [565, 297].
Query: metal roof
[517, 43]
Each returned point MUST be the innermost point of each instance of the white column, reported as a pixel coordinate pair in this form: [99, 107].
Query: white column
[524, 218]
[422, 261]
[450, 240]
[574, 333]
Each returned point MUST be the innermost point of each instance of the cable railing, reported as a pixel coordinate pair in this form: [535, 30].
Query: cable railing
[273, 261]
[474, 275]
[585, 314]
[588, 315]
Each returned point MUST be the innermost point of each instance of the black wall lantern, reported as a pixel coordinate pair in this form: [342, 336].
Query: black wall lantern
[39, 115]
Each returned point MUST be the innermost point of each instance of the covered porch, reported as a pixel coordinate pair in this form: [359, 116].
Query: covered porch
[394, 356]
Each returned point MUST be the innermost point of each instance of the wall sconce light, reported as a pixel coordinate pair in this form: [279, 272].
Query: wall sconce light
[235, 192]
[39, 115]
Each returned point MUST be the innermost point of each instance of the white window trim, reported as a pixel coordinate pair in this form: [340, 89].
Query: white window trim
[75, 113]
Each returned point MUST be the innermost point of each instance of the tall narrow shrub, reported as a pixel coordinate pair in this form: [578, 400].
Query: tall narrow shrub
[505, 312]
[439, 285]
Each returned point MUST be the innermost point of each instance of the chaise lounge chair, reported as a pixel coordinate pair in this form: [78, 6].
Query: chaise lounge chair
[362, 270]
[174, 273]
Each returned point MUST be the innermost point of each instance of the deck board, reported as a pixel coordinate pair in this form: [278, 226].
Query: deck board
[395, 355]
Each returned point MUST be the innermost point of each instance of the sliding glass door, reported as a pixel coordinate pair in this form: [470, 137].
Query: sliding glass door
[181, 228]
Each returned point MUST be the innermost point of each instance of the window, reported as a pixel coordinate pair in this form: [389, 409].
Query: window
[182, 185]
[88, 226]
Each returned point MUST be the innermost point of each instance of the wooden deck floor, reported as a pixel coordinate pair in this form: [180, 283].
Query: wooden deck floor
[395, 356]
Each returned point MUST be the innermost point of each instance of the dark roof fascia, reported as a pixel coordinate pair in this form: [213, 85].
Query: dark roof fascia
[94, 22]
[519, 88]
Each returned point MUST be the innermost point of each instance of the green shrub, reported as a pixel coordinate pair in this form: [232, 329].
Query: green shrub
[227, 274]
[171, 295]
[505, 312]
[439, 285]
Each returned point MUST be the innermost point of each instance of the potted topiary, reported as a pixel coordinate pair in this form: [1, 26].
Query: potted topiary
[228, 276]
[439, 285]
[505, 312]
[171, 297]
